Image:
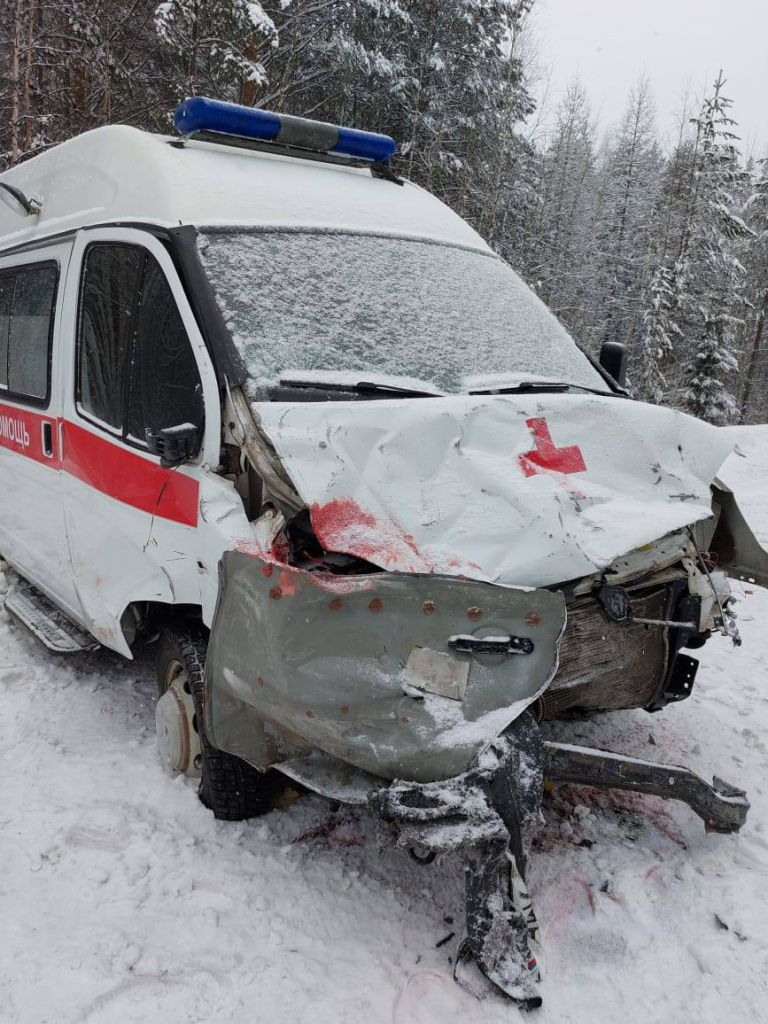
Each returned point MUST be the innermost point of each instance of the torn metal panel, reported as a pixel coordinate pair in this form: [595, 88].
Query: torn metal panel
[294, 665]
[332, 778]
[520, 490]
[737, 548]
[741, 542]
[260, 452]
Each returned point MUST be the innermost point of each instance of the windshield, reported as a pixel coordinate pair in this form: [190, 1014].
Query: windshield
[339, 302]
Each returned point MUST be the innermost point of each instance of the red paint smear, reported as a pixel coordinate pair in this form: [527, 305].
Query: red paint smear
[289, 575]
[280, 551]
[342, 525]
[546, 455]
[287, 583]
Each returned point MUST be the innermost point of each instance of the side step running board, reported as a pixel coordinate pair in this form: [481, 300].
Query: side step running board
[722, 807]
[47, 622]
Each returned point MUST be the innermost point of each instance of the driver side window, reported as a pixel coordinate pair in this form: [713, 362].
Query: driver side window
[136, 371]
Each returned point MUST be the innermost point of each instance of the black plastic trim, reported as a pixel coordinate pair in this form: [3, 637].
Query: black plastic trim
[679, 677]
[227, 362]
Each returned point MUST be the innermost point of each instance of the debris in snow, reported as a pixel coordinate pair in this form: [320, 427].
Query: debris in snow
[144, 909]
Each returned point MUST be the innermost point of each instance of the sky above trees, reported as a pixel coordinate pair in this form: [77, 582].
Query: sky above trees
[679, 44]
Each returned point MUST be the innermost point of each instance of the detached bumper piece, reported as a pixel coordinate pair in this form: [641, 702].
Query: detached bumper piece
[722, 807]
[482, 812]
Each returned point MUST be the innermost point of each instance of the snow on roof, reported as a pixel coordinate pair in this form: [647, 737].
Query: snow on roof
[119, 173]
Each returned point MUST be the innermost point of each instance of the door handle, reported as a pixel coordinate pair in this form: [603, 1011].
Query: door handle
[47, 432]
[468, 644]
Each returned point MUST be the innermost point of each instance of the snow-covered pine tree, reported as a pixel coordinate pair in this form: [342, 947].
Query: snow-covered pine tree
[658, 369]
[716, 274]
[214, 46]
[660, 333]
[560, 257]
[465, 96]
[504, 189]
[628, 183]
[754, 399]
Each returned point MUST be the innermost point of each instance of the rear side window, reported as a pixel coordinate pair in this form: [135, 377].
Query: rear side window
[136, 370]
[27, 301]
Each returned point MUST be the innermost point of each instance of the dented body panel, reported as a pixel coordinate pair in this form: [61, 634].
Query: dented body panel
[514, 490]
[301, 662]
[739, 492]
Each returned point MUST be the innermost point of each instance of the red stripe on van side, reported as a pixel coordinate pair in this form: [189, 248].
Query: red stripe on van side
[21, 431]
[125, 476]
[107, 466]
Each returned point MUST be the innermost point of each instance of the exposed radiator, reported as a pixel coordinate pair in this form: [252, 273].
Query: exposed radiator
[607, 666]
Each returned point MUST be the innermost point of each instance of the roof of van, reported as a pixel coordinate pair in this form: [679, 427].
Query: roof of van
[123, 174]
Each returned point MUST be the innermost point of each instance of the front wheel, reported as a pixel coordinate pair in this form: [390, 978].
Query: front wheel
[229, 786]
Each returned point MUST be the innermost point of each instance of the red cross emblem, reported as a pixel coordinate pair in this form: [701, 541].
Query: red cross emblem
[546, 455]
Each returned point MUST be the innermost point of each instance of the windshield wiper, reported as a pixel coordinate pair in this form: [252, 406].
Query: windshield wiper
[535, 387]
[358, 387]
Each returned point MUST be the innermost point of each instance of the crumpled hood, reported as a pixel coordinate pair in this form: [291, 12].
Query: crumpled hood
[520, 490]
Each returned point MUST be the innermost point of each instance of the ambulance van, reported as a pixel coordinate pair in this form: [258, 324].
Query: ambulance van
[265, 401]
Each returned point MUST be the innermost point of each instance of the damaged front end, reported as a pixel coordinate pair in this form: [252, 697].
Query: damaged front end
[363, 655]
[406, 677]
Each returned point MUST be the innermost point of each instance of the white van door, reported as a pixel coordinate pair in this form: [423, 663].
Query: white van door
[140, 364]
[32, 530]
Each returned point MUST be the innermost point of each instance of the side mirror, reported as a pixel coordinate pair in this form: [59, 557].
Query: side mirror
[613, 359]
[174, 445]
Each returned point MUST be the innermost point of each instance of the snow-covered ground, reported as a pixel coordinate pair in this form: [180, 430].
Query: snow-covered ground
[122, 900]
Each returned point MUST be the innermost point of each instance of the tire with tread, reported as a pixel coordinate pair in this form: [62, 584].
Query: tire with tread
[230, 787]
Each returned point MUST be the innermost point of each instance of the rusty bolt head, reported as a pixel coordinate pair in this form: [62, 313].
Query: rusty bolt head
[267, 570]
[532, 619]
[259, 681]
[474, 613]
[345, 709]
[428, 607]
[405, 719]
[309, 714]
[335, 604]
[275, 593]
[376, 604]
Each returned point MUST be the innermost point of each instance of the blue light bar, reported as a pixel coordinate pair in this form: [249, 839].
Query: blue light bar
[199, 114]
